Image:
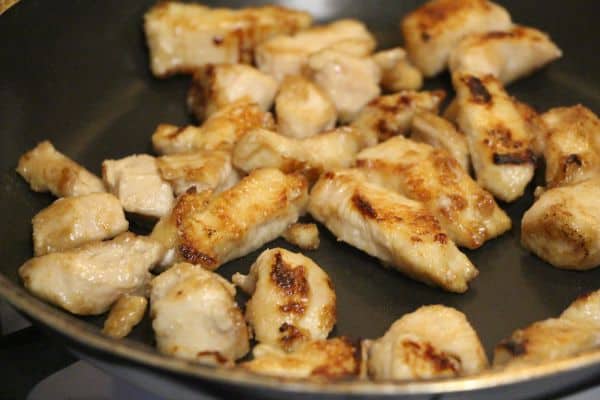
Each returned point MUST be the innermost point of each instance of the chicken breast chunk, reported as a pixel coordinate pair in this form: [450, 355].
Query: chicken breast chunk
[292, 301]
[305, 236]
[124, 315]
[184, 36]
[89, 279]
[498, 136]
[434, 29]
[47, 169]
[397, 72]
[72, 221]
[195, 316]
[431, 342]
[397, 230]
[433, 177]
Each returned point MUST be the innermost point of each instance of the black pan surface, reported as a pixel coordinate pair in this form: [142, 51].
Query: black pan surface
[77, 73]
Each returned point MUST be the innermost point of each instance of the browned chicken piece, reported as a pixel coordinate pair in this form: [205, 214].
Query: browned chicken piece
[292, 299]
[434, 29]
[135, 180]
[183, 36]
[195, 316]
[397, 230]
[305, 236]
[303, 109]
[210, 231]
[440, 133]
[506, 54]
[124, 315]
[392, 115]
[47, 169]
[397, 72]
[220, 131]
[288, 55]
[535, 125]
[499, 139]
[89, 279]
[432, 342]
[70, 222]
[215, 86]
[563, 226]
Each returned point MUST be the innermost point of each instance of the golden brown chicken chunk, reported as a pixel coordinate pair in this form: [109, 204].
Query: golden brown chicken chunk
[305, 236]
[397, 72]
[124, 315]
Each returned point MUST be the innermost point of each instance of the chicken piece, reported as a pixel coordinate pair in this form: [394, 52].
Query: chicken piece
[288, 55]
[432, 129]
[585, 309]
[135, 180]
[47, 169]
[397, 72]
[195, 316]
[398, 231]
[220, 130]
[351, 82]
[213, 230]
[292, 301]
[215, 86]
[182, 37]
[563, 226]
[208, 169]
[432, 342]
[320, 359]
[498, 136]
[305, 236]
[434, 178]
[434, 29]
[89, 279]
[303, 109]
[392, 115]
[72, 221]
[124, 315]
[506, 54]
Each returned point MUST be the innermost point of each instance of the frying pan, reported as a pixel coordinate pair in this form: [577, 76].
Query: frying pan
[77, 73]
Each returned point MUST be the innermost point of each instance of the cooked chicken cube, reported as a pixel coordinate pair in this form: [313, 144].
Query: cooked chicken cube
[433, 177]
[507, 54]
[72, 221]
[432, 129]
[431, 342]
[220, 130]
[182, 37]
[397, 72]
[135, 180]
[124, 315]
[305, 236]
[195, 316]
[391, 227]
[89, 279]
[218, 85]
[434, 29]
[303, 109]
[392, 115]
[292, 301]
[321, 359]
[47, 169]
[287, 55]
[498, 136]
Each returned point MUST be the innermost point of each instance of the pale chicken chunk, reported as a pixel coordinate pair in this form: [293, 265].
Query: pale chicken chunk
[498, 136]
[47, 169]
[292, 299]
[397, 72]
[434, 29]
[288, 55]
[89, 279]
[432, 342]
[185, 36]
[124, 315]
[215, 86]
[506, 54]
[397, 230]
[433, 177]
[135, 180]
[305, 236]
[72, 221]
[303, 109]
[195, 316]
